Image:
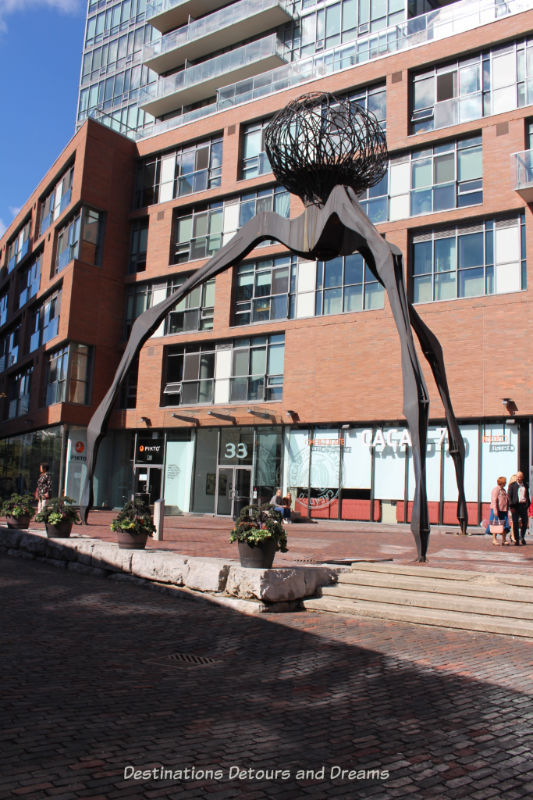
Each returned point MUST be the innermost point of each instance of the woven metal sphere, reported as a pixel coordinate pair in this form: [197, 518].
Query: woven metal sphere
[319, 141]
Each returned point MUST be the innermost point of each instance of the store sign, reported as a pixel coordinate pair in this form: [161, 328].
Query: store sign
[149, 451]
[398, 437]
[77, 450]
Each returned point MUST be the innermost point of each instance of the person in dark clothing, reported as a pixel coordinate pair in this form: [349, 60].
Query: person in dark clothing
[44, 486]
[519, 503]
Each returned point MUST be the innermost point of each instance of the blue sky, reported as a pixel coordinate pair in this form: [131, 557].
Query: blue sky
[40, 59]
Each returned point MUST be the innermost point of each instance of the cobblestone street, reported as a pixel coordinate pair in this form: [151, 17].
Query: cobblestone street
[105, 683]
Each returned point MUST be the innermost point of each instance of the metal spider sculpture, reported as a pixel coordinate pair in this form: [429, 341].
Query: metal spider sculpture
[326, 150]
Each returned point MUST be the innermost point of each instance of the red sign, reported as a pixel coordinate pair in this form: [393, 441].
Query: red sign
[79, 447]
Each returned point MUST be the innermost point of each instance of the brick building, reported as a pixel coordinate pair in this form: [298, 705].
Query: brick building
[281, 372]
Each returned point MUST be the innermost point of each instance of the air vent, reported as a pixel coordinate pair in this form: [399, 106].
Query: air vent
[396, 77]
[160, 215]
[502, 128]
[231, 130]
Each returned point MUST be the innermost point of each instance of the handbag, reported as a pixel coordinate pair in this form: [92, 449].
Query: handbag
[496, 527]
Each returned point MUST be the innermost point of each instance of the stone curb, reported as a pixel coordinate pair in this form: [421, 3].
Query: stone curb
[245, 589]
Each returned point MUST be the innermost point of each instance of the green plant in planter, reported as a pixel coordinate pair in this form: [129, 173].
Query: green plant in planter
[57, 510]
[134, 518]
[19, 505]
[258, 524]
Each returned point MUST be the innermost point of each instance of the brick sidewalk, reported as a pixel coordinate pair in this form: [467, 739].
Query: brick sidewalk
[323, 540]
[89, 686]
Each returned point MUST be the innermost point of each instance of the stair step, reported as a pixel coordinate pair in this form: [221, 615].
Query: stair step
[479, 586]
[424, 571]
[399, 613]
[488, 605]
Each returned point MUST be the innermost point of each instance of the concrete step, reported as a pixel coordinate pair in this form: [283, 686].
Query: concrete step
[431, 596]
[440, 618]
[490, 605]
[424, 571]
[475, 587]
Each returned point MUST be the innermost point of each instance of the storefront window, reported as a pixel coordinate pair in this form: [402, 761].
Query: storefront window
[178, 471]
[205, 472]
[499, 455]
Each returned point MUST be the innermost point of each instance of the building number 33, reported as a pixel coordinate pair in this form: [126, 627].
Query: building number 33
[239, 450]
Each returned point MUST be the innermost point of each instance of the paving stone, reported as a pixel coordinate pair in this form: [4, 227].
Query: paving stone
[95, 676]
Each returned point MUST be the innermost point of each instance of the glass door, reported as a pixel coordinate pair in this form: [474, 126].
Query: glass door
[148, 483]
[225, 491]
[234, 488]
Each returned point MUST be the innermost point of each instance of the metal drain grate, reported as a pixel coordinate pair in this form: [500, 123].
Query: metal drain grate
[188, 659]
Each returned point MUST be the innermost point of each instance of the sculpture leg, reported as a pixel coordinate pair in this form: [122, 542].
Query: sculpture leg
[433, 353]
[388, 269]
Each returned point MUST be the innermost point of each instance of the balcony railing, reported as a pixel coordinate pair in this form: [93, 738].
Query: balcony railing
[199, 82]
[448, 21]
[523, 174]
[165, 15]
[226, 27]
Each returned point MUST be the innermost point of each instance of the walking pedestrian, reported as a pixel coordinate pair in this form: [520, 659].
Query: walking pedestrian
[519, 505]
[44, 486]
[499, 511]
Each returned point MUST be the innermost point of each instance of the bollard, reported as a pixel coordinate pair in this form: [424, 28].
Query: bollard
[159, 517]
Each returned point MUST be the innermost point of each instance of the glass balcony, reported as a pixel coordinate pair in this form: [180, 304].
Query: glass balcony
[523, 174]
[218, 31]
[461, 16]
[165, 15]
[197, 83]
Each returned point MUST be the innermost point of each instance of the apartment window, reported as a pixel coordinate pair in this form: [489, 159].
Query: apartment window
[529, 134]
[242, 370]
[80, 238]
[375, 201]
[9, 348]
[18, 393]
[138, 246]
[262, 290]
[469, 261]
[29, 281]
[346, 284]
[289, 288]
[493, 82]
[344, 21]
[200, 232]
[19, 246]
[3, 308]
[194, 313]
[44, 322]
[68, 375]
[128, 390]
[181, 172]
[254, 158]
[436, 179]
[112, 20]
[56, 201]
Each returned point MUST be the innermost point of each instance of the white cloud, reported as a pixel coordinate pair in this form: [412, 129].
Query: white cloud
[10, 6]
[3, 227]
[14, 210]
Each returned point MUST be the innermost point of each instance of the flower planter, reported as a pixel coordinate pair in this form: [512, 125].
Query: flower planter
[60, 531]
[260, 557]
[21, 523]
[129, 541]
